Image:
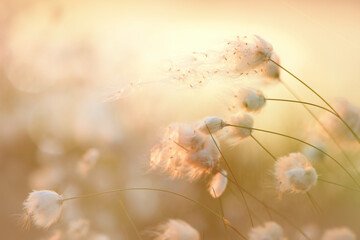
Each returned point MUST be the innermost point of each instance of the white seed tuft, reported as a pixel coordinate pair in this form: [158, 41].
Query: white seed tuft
[213, 124]
[295, 173]
[43, 207]
[218, 184]
[185, 152]
[270, 231]
[244, 121]
[251, 99]
[175, 229]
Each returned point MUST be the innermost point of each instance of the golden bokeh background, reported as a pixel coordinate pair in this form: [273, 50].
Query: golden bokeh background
[59, 58]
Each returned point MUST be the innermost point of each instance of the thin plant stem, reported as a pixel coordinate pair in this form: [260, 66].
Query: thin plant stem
[130, 220]
[302, 141]
[301, 102]
[158, 190]
[314, 204]
[312, 200]
[222, 214]
[311, 89]
[319, 179]
[263, 147]
[324, 128]
[271, 209]
[232, 174]
[339, 185]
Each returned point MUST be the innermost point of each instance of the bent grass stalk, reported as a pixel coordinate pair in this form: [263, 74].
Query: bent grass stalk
[241, 189]
[232, 174]
[317, 94]
[268, 208]
[160, 190]
[222, 214]
[130, 219]
[302, 141]
[319, 179]
[320, 123]
[312, 200]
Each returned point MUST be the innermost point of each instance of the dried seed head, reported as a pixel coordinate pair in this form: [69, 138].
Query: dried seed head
[218, 184]
[246, 53]
[295, 173]
[245, 123]
[43, 207]
[251, 99]
[185, 152]
[272, 71]
[271, 231]
[212, 124]
[175, 229]
[339, 234]
[350, 114]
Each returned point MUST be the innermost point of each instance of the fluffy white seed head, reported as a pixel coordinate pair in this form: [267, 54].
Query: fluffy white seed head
[43, 207]
[213, 124]
[350, 114]
[247, 53]
[251, 99]
[235, 134]
[218, 184]
[185, 152]
[339, 234]
[175, 229]
[272, 71]
[270, 231]
[295, 173]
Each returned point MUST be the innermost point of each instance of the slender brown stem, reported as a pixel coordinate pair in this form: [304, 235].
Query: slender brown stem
[339, 185]
[130, 219]
[302, 102]
[232, 174]
[263, 147]
[157, 190]
[222, 214]
[302, 141]
[324, 128]
[267, 207]
[306, 85]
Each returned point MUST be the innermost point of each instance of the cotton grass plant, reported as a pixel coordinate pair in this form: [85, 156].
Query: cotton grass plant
[197, 152]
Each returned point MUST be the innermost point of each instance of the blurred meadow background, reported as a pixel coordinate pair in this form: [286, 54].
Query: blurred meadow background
[59, 61]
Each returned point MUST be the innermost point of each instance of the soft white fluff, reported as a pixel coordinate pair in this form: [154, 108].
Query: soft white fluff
[270, 231]
[247, 53]
[43, 207]
[295, 173]
[235, 134]
[175, 229]
[218, 184]
[251, 99]
[185, 152]
[212, 124]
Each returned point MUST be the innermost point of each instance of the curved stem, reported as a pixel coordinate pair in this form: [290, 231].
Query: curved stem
[232, 174]
[263, 147]
[339, 185]
[302, 82]
[302, 141]
[268, 208]
[157, 190]
[306, 103]
[319, 179]
[324, 128]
